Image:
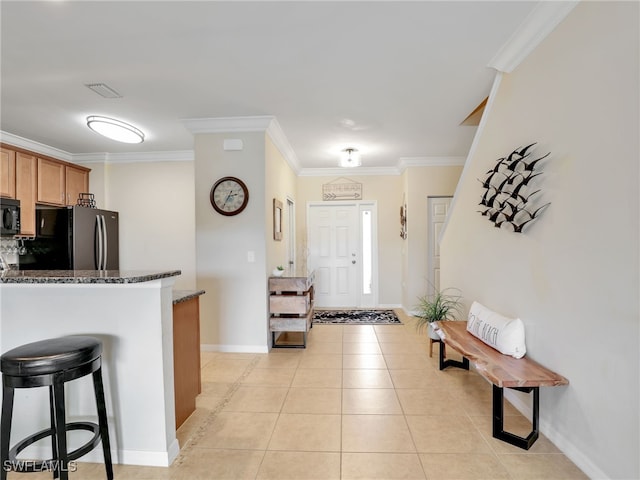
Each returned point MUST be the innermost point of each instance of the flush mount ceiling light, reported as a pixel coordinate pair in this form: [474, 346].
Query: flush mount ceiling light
[350, 158]
[115, 129]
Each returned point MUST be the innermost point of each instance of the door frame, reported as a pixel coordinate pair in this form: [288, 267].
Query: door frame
[432, 241]
[362, 300]
[290, 238]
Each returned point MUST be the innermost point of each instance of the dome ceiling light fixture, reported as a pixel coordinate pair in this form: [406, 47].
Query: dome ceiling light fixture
[350, 158]
[115, 129]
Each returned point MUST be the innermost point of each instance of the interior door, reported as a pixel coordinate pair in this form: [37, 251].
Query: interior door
[437, 209]
[333, 253]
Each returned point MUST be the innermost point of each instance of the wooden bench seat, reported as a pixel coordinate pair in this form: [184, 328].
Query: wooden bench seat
[502, 371]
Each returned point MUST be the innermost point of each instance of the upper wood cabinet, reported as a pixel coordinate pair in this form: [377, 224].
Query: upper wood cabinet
[51, 182]
[77, 182]
[60, 183]
[31, 179]
[7, 173]
[26, 191]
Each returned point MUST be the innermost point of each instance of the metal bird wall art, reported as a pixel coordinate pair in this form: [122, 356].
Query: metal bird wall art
[509, 190]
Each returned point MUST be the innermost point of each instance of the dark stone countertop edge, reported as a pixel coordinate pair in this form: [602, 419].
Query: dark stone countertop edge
[82, 276]
[180, 296]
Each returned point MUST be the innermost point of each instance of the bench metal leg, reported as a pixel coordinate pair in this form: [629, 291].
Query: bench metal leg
[498, 418]
[447, 362]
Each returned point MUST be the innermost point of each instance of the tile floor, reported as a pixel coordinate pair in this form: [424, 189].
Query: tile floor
[360, 402]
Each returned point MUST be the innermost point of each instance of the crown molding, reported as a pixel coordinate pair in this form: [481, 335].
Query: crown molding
[540, 22]
[134, 157]
[37, 147]
[281, 142]
[355, 171]
[258, 123]
[406, 162]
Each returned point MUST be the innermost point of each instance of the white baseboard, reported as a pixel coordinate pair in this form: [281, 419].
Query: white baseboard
[558, 439]
[389, 306]
[121, 457]
[234, 348]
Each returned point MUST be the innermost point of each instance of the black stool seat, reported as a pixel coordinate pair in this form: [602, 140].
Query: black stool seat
[52, 363]
[50, 356]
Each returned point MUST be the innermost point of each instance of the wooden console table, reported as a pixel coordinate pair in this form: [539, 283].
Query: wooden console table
[291, 305]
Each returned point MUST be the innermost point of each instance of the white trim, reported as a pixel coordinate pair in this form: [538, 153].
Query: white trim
[258, 123]
[572, 452]
[281, 142]
[530, 33]
[234, 348]
[406, 162]
[120, 457]
[472, 150]
[16, 141]
[340, 172]
[134, 157]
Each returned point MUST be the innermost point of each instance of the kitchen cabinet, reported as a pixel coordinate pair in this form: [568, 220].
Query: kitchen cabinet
[51, 182]
[26, 191]
[7, 173]
[60, 183]
[186, 353]
[76, 182]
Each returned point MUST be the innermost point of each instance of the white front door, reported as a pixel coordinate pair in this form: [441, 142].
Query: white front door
[438, 207]
[333, 253]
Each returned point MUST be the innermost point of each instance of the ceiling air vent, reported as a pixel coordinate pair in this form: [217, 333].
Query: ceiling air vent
[103, 90]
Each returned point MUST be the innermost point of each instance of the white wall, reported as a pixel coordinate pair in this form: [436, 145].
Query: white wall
[233, 312]
[155, 201]
[573, 275]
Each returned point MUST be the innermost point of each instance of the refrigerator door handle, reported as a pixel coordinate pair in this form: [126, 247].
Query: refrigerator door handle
[106, 246]
[99, 238]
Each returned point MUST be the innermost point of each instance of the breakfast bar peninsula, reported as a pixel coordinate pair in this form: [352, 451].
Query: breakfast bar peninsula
[131, 313]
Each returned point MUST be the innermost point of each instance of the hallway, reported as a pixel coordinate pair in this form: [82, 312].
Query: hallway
[360, 402]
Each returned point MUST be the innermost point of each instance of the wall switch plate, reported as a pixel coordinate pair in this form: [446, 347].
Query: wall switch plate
[251, 256]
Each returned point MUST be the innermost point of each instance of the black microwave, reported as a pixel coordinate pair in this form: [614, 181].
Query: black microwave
[9, 217]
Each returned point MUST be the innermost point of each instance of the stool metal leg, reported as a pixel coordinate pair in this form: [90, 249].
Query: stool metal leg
[52, 416]
[61, 464]
[5, 430]
[102, 420]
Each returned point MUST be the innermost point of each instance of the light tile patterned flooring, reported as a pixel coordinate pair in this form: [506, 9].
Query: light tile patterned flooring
[360, 402]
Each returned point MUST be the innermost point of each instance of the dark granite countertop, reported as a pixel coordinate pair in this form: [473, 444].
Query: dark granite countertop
[83, 276]
[184, 295]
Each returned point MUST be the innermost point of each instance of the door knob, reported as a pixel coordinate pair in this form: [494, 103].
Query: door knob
[353, 261]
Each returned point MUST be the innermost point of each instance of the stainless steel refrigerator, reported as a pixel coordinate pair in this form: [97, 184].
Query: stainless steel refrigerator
[73, 238]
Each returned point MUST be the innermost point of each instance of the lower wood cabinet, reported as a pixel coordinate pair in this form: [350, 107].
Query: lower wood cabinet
[186, 357]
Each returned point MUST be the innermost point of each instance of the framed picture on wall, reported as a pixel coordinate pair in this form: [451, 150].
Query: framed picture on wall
[277, 219]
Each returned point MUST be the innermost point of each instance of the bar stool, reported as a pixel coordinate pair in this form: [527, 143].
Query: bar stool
[52, 363]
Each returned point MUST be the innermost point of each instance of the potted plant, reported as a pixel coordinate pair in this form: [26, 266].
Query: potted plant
[439, 306]
[278, 271]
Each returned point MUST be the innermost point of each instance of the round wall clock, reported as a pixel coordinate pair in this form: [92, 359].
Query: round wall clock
[229, 196]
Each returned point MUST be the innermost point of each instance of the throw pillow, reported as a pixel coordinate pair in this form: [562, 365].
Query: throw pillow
[504, 334]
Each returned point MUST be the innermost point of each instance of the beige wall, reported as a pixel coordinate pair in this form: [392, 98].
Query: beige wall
[155, 205]
[572, 277]
[233, 311]
[386, 191]
[422, 183]
[280, 183]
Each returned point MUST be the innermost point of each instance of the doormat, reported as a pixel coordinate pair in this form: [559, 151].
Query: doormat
[356, 317]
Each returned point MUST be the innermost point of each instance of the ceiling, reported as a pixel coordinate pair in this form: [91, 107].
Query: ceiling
[392, 79]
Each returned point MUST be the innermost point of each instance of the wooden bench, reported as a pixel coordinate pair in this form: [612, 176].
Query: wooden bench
[503, 371]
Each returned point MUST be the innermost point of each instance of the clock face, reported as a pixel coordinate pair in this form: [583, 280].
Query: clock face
[229, 196]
